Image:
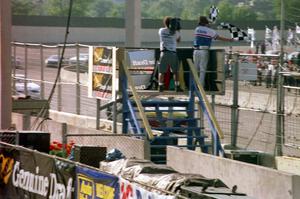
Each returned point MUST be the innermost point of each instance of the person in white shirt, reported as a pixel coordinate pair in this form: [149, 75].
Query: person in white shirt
[169, 35]
[268, 36]
[290, 37]
[275, 38]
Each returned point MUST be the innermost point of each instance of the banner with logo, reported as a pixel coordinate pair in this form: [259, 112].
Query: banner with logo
[141, 65]
[36, 176]
[132, 191]
[92, 184]
[102, 72]
[8, 157]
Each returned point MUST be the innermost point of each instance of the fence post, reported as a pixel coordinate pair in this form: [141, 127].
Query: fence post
[235, 104]
[64, 136]
[98, 114]
[77, 81]
[58, 85]
[14, 69]
[279, 115]
[280, 91]
[25, 70]
[42, 72]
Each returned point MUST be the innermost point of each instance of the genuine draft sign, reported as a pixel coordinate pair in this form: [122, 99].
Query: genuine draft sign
[41, 185]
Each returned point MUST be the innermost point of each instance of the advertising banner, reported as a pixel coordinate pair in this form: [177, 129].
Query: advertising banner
[132, 191]
[34, 176]
[102, 72]
[141, 66]
[247, 71]
[92, 184]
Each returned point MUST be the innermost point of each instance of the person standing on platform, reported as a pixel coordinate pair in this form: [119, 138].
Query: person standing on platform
[203, 36]
[268, 37]
[169, 35]
[290, 37]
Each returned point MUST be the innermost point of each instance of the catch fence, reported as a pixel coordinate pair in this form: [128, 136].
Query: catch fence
[247, 111]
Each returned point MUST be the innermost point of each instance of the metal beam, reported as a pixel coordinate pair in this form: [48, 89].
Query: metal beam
[5, 64]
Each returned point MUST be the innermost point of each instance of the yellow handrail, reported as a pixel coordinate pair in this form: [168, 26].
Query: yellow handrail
[138, 103]
[206, 102]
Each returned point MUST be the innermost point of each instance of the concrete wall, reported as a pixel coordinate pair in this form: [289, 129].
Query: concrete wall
[50, 29]
[256, 181]
[98, 35]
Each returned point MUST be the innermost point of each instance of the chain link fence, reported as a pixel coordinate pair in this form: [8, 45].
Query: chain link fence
[129, 145]
[257, 95]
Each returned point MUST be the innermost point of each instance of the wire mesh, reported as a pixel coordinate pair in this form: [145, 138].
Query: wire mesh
[129, 145]
[257, 95]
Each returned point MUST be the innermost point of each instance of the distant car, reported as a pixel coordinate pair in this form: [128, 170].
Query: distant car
[83, 59]
[273, 52]
[293, 55]
[53, 60]
[33, 89]
[16, 62]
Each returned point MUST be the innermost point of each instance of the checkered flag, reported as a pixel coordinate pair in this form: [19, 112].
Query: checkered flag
[236, 33]
[213, 14]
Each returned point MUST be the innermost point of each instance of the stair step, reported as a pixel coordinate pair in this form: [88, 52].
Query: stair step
[176, 128]
[174, 137]
[162, 103]
[169, 119]
[163, 146]
[154, 93]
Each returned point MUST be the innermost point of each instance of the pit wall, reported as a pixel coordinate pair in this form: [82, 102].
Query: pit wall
[256, 181]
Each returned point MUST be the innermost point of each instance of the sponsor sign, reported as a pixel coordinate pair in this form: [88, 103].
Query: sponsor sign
[37, 176]
[102, 72]
[132, 191]
[141, 66]
[92, 184]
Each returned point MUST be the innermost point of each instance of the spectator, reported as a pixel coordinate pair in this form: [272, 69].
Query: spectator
[263, 48]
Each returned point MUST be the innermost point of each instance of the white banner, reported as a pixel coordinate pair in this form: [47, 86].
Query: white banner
[247, 71]
[130, 190]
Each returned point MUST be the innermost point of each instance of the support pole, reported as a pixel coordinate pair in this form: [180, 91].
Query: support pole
[5, 64]
[133, 23]
[98, 102]
[280, 92]
[235, 103]
[78, 93]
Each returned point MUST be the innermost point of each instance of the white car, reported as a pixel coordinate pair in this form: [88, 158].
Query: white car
[33, 89]
[16, 62]
[53, 60]
[83, 59]
[293, 55]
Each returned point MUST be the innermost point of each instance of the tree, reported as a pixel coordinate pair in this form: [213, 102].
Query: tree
[264, 9]
[226, 9]
[61, 7]
[101, 8]
[23, 7]
[162, 8]
[292, 10]
[118, 10]
[244, 13]
[192, 9]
